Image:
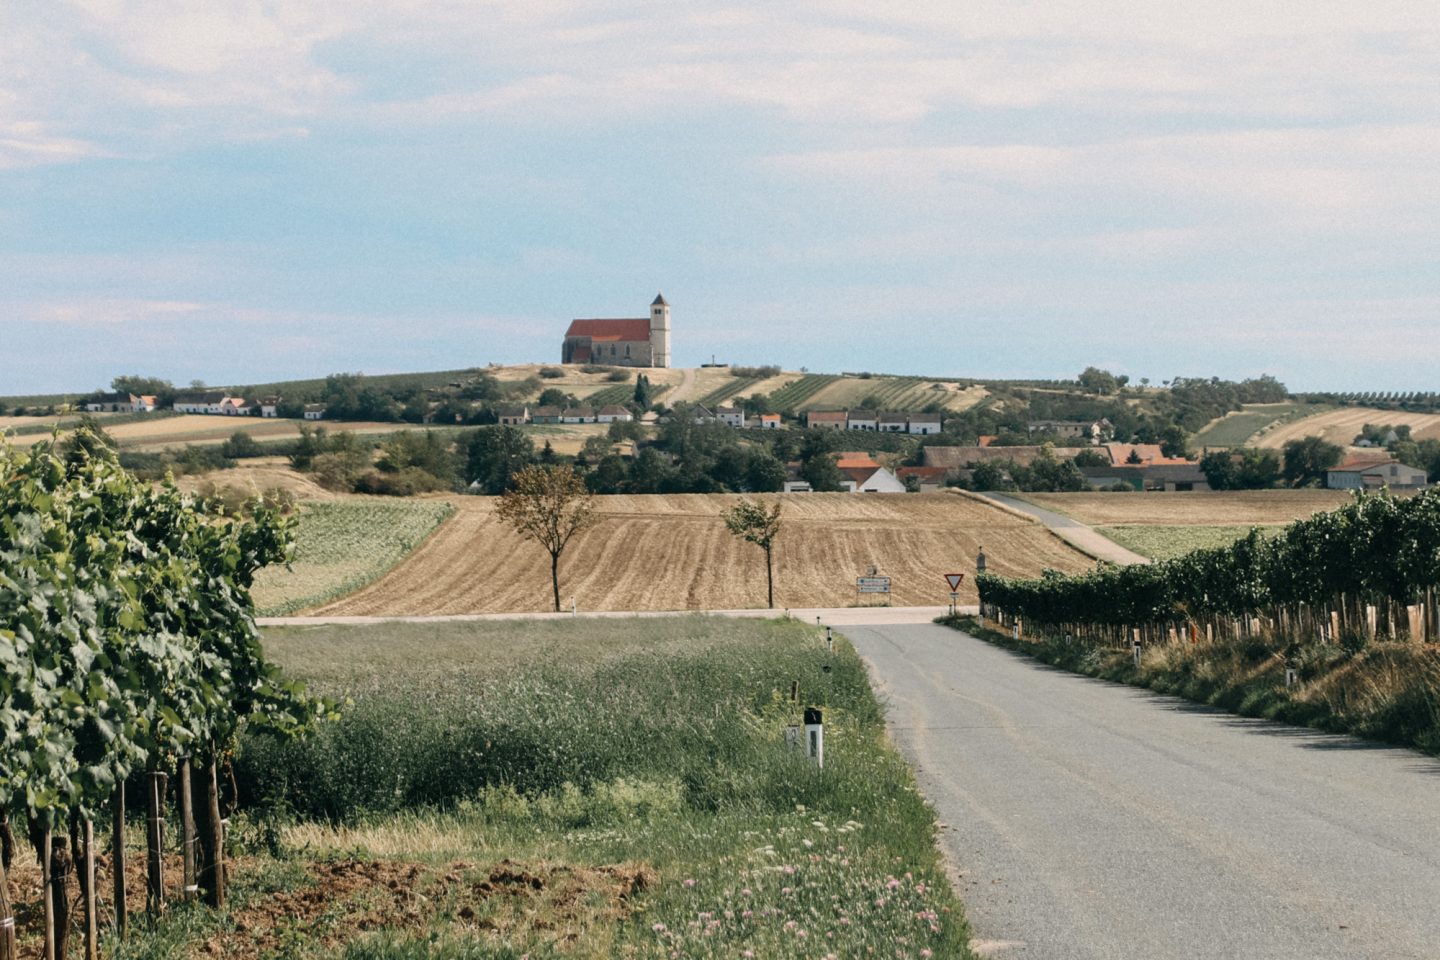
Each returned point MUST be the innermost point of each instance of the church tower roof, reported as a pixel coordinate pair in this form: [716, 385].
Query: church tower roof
[659, 301]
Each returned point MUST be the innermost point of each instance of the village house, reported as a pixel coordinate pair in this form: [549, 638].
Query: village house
[1092, 430]
[110, 403]
[826, 420]
[314, 411]
[578, 415]
[923, 479]
[863, 420]
[196, 402]
[891, 421]
[514, 416]
[145, 403]
[269, 407]
[1366, 475]
[626, 342]
[234, 407]
[730, 416]
[614, 413]
[924, 424]
[864, 475]
[547, 414]
[701, 414]
[769, 421]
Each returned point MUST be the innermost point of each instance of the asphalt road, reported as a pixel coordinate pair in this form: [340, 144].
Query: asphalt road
[1092, 820]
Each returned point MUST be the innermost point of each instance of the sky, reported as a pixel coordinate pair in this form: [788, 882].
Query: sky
[239, 191]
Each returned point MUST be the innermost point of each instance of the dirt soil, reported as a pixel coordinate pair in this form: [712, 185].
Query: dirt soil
[1219, 508]
[672, 552]
[341, 900]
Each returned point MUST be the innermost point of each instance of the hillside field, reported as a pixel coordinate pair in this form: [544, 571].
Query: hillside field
[1236, 429]
[1343, 425]
[673, 553]
[1238, 508]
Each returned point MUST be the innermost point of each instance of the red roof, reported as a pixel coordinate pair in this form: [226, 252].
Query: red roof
[608, 330]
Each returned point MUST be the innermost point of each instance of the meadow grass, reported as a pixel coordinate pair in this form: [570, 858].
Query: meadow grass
[1166, 542]
[578, 755]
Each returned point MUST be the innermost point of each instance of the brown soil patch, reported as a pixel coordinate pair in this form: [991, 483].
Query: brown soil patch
[672, 552]
[339, 901]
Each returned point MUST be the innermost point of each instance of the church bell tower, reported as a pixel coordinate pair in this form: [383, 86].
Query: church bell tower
[659, 332]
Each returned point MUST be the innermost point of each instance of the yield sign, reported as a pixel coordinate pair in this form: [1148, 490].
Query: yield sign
[954, 580]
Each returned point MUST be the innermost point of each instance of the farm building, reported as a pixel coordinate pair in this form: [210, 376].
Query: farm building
[198, 402]
[547, 415]
[926, 479]
[626, 342]
[514, 416]
[863, 420]
[614, 413]
[1363, 475]
[110, 403]
[578, 415]
[826, 419]
[730, 416]
[233, 407]
[924, 424]
[893, 421]
[143, 404]
[269, 407]
[1091, 430]
[769, 421]
[314, 411]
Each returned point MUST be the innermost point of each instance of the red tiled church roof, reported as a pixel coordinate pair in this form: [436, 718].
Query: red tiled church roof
[608, 330]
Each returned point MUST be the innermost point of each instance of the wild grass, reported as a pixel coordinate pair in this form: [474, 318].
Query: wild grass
[1382, 690]
[573, 746]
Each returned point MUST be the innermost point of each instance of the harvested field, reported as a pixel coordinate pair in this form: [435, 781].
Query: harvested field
[256, 476]
[1227, 508]
[673, 553]
[196, 428]
[1343, 426]
[1237, 428]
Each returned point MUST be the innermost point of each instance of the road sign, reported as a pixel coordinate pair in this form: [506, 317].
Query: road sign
[954, 580]
[873, 584]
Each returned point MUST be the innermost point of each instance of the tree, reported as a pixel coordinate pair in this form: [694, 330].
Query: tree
[642, 391]
[493, 456]
[1095, 380]
[753, 523]
[549, 505]
[822, 472]
[1307, 459]
[1091, 458]
[1173, 441]
[764, 473]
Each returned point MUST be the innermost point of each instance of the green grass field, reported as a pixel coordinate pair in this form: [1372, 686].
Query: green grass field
[577, 788]
[1236, 429]
[1163, 542]
[343, 545]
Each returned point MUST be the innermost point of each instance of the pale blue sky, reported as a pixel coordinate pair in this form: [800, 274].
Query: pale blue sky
[246, 190]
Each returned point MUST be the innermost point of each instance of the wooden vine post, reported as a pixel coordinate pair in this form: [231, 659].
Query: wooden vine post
[154, 842]
[47, 896]
[212, 837]
[7, 915]
[92, 937]
[187, 829]
[117, 860]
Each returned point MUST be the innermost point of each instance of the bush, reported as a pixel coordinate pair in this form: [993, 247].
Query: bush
[618, 376]
[756, 373]
[551, 373]
[406, 482]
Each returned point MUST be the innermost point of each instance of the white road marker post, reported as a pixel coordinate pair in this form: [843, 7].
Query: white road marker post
[574, 610]
[814, 736]
[1136, 649]
[829, 641]
[1291, 675]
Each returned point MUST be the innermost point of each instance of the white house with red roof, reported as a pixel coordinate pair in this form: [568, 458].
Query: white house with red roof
[623, 342]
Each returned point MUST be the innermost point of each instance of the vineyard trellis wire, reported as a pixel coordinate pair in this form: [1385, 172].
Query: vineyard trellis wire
[1369, 568]
[128, 646]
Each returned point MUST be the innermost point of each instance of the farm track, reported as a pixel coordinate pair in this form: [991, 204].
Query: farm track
[673, 553]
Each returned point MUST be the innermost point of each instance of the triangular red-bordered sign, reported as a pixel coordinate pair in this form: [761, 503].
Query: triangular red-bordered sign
[954, 580]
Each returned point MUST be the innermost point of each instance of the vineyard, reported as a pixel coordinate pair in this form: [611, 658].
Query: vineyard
[734, 388]
[343, 545]
[1368, 569]
[131, 661]
[793, 395]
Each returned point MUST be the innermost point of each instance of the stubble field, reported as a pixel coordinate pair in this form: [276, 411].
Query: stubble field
[1220, 508]
[1343, 425]
[674, 553]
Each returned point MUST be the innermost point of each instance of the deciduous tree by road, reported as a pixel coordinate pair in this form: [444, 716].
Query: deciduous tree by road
[549, 505]
[751, 521]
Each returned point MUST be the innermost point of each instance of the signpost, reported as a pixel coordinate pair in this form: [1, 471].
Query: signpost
[954, 580]
[873, 584]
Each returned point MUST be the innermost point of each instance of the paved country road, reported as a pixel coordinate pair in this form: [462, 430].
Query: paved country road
[1093, 820]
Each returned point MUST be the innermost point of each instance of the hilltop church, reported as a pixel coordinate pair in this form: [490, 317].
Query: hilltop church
[642, 342]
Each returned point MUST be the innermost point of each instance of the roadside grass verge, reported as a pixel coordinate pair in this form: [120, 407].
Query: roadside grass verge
[343, 545]
[587, 788]
[1380, 690]
[1165, 542]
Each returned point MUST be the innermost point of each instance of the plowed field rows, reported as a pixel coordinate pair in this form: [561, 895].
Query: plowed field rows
[673, 553]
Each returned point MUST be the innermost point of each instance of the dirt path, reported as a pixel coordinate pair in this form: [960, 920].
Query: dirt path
[1073, 532]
